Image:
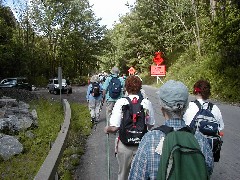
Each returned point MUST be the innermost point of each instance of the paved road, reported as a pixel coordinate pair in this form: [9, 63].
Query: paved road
[94, 161]
[229, 166]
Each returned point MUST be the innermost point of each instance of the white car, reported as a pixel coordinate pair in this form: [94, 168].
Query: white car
[53, 86]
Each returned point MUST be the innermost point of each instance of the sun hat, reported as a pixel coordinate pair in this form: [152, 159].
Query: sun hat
[115, 70]
[173, 95]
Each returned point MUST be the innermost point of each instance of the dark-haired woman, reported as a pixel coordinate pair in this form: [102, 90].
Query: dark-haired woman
[202, 92]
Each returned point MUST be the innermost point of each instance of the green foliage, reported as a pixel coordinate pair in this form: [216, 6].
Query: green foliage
[197, 42]
[26, 165]
[49, 34]
[224, 85]
[81, 80]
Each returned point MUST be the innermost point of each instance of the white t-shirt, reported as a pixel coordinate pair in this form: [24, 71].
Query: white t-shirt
[116, 117]
[193, 109]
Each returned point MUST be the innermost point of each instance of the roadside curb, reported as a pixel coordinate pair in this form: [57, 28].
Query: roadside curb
[49, 167]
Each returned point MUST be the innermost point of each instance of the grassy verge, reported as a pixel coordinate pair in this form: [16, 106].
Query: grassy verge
[79, 130]
[50, 117]
[26, 165]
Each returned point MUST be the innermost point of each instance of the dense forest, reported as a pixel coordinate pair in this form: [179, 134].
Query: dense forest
[199, 38]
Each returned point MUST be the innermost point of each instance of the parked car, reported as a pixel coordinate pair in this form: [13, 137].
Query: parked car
[53, 86]
[16, 82]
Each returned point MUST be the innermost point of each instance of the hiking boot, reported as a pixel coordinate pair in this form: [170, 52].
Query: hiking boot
[93, 120]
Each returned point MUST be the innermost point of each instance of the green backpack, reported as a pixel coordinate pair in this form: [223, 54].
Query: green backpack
[181, 157]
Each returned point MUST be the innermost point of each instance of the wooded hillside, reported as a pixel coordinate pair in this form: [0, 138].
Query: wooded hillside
[199, 38]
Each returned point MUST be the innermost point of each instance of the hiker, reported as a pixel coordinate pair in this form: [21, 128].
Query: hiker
[205, 117]
[173, 98]
[202, 92]
[94, 98]
[122, 118]
[141, 93]
[112, 90]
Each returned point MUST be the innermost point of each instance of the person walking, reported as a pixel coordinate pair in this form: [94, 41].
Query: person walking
[94, 98]
[173, 98]
[112, 90]
[206, 117]
[202, 92]
[126, 146]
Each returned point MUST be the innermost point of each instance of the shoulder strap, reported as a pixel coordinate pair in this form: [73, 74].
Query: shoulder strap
[165, 129]
[198, 104]
[187, 129]
[129, 100]
[210, 106]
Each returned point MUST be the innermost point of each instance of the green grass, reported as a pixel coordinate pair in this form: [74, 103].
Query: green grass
[27, 164]
[80, 128]
[50, 117]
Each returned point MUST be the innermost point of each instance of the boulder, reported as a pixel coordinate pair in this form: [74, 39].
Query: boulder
[9, 146]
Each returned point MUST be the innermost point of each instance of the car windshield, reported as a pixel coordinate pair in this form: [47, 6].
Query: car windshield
[55, 81]
[9, 81]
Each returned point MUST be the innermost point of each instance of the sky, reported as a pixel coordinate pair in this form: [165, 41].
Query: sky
[108, 10]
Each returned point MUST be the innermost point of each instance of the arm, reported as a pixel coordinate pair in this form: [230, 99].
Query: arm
[110, 129]
[218, 115]
[149, 113]
[105, 86]
[88, 92]
[206, 150]
[115, 119]
[103, 94]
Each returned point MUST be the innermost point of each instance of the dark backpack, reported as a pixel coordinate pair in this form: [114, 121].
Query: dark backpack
[181, 156]
[133, 126]
[205, 122]
[114, 87]
[95, 91]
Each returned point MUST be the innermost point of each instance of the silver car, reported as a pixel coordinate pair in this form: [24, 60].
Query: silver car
[53, 86]
[16, 82]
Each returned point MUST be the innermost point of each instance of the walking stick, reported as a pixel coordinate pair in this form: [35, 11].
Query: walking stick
[108, 153]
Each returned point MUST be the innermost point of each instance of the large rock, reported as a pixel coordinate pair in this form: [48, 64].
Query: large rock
[9, 146]
[15, 117]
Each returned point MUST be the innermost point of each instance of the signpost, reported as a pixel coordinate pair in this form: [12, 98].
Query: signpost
[60, 81]
[158, 70]
[131, 71]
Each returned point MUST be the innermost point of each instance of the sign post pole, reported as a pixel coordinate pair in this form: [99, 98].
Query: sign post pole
[60, 81]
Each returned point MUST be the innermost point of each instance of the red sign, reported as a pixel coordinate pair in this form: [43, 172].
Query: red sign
[158, 70]
[131, 71]
[158, 59]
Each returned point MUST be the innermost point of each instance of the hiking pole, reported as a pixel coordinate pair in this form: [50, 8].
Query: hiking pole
[108, 152]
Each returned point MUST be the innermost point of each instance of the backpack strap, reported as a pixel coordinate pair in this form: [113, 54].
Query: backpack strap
[130, 101]
[210, 105]
[165, 129]
[187, 129]
[198, 104]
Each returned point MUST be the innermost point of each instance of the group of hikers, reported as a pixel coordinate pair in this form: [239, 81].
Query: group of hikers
[184, 147]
